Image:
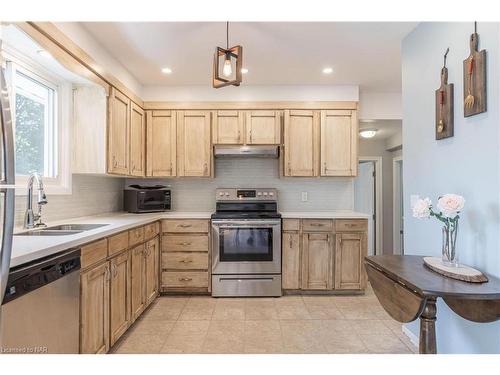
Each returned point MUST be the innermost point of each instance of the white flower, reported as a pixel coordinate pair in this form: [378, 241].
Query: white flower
[422, 208]
[450, 204]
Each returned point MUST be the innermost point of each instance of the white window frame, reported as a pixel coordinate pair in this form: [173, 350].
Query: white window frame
[61, 184]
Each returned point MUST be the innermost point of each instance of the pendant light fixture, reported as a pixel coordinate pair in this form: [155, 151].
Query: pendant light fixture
[227, 64]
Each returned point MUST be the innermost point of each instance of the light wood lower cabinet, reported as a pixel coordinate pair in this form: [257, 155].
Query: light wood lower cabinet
[324, 254]
[94, 316]
[116, 289]
[291, 260]
[317, 261]
[350, 252]
[152, 259]
[119, 296]
[138, 281]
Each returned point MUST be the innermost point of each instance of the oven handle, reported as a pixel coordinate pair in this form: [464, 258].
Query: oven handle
[235, 223]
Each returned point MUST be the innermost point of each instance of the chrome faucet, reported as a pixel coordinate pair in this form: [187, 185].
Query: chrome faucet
[30, 217]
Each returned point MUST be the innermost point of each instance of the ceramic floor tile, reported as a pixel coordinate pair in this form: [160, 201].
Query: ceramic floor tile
[302, 336]
[224, 337]
[197, 313]
[293, 312]
[186, 337]
[152, 327]
[384, 344]
[368, 326]
[141, 344]
[324, 311]
[262, 336]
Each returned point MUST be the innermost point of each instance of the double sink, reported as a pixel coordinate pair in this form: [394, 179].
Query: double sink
[61, 230]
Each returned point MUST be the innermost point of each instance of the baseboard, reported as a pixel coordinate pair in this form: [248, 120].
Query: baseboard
[413, 338]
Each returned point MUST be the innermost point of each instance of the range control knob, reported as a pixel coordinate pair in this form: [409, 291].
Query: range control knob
[221, 194]
[265, 193]
[226, 194]
[259, 194]
[271, 193]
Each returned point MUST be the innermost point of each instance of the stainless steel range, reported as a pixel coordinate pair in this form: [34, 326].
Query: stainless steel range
[246, 243]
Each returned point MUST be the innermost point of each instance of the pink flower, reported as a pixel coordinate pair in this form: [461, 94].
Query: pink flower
[450, 205]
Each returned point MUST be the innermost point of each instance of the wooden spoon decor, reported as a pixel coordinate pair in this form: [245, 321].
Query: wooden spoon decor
[444, 105]
[475, 78]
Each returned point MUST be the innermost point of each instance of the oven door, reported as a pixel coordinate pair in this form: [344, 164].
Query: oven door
[246, 246]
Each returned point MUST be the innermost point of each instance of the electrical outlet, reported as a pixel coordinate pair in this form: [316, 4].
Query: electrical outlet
[304, 196]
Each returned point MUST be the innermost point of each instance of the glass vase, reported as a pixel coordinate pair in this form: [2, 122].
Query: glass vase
[449, 254]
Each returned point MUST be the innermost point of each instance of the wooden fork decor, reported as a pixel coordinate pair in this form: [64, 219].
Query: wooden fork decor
[444, 105]
[475, 78]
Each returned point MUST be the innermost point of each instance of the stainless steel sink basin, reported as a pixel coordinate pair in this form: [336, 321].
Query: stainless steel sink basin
[45, 232]
[72, 227]
[61, 230]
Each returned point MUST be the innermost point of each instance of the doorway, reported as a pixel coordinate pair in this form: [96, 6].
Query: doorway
[398, 208]
[368, 199]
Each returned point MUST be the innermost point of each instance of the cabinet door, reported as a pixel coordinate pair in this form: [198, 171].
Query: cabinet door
[118, 133]
[137, 141]
[152, 269]
[138, 281]
[119, 296]
[301, 136]
[94, 310]
[161, 143]
[194, 146]
[291, 261]
[350, 250]
[263, 128]
[228, 127]
[339, 143]
[317, 261]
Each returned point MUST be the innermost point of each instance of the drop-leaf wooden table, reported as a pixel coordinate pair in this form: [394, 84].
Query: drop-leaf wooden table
[408, 290]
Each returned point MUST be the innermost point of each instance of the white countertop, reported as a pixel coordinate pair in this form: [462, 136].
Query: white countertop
[29, 248]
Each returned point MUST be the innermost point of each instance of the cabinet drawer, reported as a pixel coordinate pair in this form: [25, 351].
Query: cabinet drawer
[317, 225]
[135, 236]
[179, 242]
[118, 243]
[185, 226]
[184, 261]
[151, 230]
[291, 224]
[94, 253]
[184, 279]
[356, 225]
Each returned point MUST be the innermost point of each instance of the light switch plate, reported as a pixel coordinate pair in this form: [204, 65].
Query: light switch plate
[304, 196]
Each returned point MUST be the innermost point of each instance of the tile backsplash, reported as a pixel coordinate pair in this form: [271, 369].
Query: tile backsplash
[91, 195]
[198, 194]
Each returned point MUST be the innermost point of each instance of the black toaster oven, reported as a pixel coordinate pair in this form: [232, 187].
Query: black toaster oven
[142, 199]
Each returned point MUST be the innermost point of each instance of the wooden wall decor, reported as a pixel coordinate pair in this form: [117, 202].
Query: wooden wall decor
[475, 78]
[444, 105]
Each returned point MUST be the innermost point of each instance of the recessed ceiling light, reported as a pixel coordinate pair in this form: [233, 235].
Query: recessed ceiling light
[166, 70]
[368, 133]
[327, 70]
[44, 53]
[244, 70]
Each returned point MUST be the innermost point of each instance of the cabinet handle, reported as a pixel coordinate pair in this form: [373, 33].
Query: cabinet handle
[115, 163]
[115, 271]
[185, 225]
[289, 169]
[324, 167]
[184, 243]
[186, 261]
[107, 274]
[239, 136]
[291, 241]
[316, 225]
[250, 131]
[205, 169]
[185, 279]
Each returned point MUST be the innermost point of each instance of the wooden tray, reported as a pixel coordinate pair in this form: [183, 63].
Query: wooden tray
[461, 272]
[478, 78]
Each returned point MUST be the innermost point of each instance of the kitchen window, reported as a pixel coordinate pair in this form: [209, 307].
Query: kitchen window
[41, 108]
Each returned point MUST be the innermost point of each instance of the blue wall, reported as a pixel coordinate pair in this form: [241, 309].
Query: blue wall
[467, 164]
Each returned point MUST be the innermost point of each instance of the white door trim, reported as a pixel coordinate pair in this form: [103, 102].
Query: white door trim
[378, 201]
[396, 209]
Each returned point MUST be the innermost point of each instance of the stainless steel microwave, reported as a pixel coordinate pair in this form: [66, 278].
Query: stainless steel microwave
[142, 199]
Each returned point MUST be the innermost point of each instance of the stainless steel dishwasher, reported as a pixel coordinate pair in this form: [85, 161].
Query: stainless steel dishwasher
[40, 311]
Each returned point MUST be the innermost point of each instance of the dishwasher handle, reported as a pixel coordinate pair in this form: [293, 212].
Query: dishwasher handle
[26, 278]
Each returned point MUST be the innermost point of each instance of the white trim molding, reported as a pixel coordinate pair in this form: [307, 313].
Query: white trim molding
[414, 339]
[396, 209]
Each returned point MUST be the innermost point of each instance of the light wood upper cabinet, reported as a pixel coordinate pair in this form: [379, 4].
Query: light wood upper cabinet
[152, 259]
[301, 138]
[118, 133]
[194, 146]
[138, 281]
[137, 141]
[350, 250]
[291, 260]
[263, 127]
[161, 143]
[339, 143]
[317, 261]
[94, 310]
[119, 296]
[228, 127]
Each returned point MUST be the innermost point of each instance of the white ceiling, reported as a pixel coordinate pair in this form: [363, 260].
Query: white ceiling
[276, 53]
[386, 128]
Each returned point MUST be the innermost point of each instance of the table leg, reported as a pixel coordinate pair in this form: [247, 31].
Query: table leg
[427, 343]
